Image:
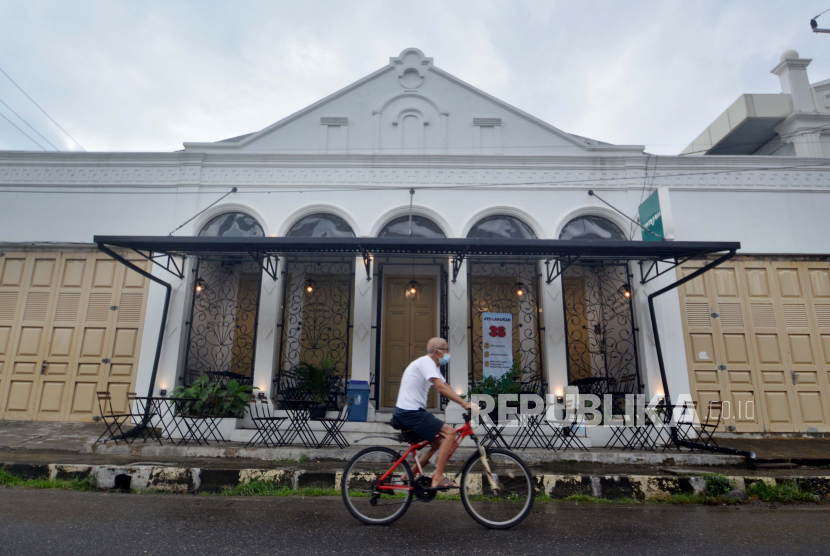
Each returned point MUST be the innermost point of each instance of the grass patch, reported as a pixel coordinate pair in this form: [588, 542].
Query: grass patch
[270, 488]
[788, 492]
[10, 480]
[718, 484]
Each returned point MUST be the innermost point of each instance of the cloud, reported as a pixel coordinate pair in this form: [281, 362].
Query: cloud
[146, 76]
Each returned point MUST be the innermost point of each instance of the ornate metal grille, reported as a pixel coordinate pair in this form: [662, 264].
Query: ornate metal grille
[223, 321]
[492, 288]
[601, 342]
[316, 321]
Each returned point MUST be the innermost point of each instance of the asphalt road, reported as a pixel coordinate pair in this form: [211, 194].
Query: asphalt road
[61, 522]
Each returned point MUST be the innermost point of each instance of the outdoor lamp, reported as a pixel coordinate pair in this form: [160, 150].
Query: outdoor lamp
[520, 289]
[309, 286]
[201, 286]
[625, 290]
[413, 289]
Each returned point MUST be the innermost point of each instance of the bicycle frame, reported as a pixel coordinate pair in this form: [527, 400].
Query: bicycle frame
[463, 432]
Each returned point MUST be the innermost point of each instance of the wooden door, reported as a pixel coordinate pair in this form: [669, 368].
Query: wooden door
[770, 341]
[407, 327]
[739, 382]
[70, 325]
[805, 377]
[704, 351]
[35, 278]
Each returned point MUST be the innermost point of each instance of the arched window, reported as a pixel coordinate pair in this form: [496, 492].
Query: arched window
[591, 227]
[421, 227]
[232, 224]
[501, 226]
[321, 225]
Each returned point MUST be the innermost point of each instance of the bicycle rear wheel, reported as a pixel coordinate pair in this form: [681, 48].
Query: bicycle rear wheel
[360, 483]
[512, 499]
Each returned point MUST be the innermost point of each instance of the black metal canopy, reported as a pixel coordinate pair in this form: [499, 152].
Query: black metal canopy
[558, 253]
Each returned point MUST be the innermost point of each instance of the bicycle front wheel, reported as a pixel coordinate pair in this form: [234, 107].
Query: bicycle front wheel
[506, 501]
[370, 499]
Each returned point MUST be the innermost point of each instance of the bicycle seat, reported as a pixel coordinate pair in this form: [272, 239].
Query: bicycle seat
[406, 435]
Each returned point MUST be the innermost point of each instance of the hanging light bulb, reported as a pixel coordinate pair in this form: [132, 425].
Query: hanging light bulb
[309, 286]
[200, 286]
[625, 290]
[413, 289]
[520, 289]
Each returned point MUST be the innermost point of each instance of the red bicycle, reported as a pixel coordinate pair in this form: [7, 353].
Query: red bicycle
[496, 486]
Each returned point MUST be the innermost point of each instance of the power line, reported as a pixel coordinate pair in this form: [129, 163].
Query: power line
[41, 109]
[28, 124]
[23, 132]
[510, 186]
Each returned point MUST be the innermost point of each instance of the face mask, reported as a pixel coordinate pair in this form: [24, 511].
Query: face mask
[444, 359]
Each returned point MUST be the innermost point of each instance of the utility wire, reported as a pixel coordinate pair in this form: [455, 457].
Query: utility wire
[41, 109]
[202, 211]
[28, 124]
[23, 132]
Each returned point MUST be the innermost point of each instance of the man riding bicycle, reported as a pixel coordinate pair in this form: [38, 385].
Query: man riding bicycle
[410, 408]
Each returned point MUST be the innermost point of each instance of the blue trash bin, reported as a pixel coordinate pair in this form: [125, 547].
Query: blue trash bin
[358, 394]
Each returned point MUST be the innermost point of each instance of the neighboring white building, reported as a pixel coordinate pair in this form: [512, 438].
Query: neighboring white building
[755, 332]
[795, 122]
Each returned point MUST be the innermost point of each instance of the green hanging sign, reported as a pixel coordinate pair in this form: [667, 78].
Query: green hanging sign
[656, 217]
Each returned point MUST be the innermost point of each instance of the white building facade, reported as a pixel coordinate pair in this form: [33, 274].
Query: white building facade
[413, 150]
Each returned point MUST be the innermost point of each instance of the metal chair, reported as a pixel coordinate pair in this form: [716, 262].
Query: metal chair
[112, 420]
[266, 423]
[333, 426]
[706, 430]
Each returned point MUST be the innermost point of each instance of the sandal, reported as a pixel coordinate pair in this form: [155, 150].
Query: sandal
[445, 484]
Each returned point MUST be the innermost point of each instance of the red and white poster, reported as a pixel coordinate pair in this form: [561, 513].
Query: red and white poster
[497, 343]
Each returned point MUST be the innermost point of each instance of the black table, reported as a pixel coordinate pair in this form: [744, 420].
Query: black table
[595, 385]
[299, 413]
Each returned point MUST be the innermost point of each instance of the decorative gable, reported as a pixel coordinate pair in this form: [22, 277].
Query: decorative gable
[411, 107]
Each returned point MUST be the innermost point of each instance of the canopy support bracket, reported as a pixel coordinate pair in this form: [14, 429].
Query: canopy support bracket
[555, 271]
[170, 265]
[268, 263]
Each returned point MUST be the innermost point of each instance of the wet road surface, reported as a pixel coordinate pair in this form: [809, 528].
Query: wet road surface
[90, 523]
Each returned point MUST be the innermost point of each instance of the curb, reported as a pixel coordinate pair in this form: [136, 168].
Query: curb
[194, 479]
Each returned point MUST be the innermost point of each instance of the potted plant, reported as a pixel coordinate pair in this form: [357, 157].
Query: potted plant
[318, 380]
[204, 398]
[508, 383]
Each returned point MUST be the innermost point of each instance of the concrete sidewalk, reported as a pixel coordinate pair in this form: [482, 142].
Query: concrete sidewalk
[52, 442]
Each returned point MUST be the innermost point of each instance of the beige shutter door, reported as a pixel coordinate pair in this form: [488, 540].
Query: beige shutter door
[29, 342]
[70, 325]
[805, 375]
[737, 355]
[773, 336]
[703, 346]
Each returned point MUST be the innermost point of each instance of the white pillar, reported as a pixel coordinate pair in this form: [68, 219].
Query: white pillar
[551, 300]
[361, 332]
[460, 362]
[267, 334]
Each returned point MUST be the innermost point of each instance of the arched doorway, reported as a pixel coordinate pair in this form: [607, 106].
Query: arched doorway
[316, 321]
[224, 309]
[507, 289]
[411, 298]
[599, 317]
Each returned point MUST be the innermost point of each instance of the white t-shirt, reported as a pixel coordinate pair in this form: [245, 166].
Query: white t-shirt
[415, 383]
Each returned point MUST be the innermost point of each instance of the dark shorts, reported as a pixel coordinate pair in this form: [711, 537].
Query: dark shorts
[421, 422]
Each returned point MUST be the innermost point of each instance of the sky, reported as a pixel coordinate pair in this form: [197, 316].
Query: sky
[149, 75]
